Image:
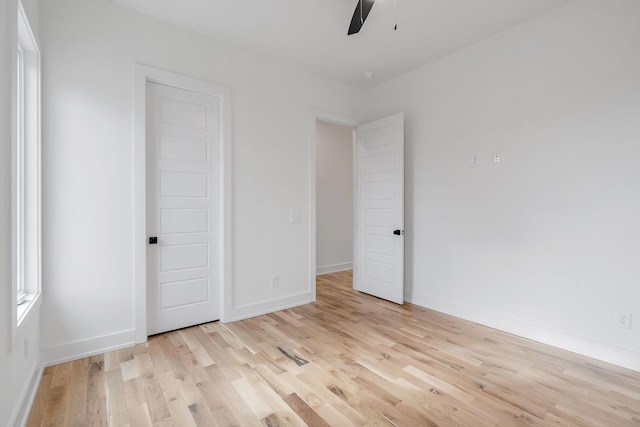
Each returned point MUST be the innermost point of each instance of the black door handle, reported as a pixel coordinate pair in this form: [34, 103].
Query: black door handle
[153, 240]
[398, 232]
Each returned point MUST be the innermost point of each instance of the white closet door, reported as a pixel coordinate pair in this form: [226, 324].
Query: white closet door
[182, 130]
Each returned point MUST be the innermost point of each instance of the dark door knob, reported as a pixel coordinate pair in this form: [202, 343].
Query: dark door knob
[398, 232]
[153, 240]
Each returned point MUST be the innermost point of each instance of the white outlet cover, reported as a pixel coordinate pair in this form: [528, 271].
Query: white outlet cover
[623, 320]
[295, 217]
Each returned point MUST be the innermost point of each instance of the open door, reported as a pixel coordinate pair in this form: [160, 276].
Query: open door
[379, 242]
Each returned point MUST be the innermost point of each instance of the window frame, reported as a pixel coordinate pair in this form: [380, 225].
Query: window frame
[25, 174]
[21, 293]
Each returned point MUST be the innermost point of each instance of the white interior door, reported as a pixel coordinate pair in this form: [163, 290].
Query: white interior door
[182, 129]
[379, 243]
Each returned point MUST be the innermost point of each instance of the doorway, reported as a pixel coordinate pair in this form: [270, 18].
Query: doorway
[377, 204]
[176, 181]
[334, 197]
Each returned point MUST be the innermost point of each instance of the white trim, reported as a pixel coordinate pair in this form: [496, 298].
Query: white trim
[338, 120]
[333, 268]
[270, 306]
[27, 397]
[144, 74]
[80, 349]
[597, 350]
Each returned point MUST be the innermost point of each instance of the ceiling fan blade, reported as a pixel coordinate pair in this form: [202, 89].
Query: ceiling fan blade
[360, 15]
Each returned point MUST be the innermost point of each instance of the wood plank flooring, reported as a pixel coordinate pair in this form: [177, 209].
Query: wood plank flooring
[347, 360]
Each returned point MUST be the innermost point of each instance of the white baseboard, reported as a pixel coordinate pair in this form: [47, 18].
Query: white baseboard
[28, 395]
[334, 268]
[605, 352]
[252, 310]
[81, 349]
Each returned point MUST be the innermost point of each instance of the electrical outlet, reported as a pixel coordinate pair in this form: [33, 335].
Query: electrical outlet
[473, 161]
[275, 281]
[497, 157]
[623, 320]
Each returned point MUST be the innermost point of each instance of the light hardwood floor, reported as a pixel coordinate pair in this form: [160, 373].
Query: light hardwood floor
[348, 359]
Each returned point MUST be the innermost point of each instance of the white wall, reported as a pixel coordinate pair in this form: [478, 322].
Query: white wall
[18, 374]
[89, 51]
[334, 197]
[547, 243]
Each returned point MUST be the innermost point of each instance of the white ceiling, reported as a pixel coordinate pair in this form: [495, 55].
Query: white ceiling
[313, 34]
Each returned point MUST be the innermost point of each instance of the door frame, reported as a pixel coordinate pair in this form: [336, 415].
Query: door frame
[342, 121]
[144, 74]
